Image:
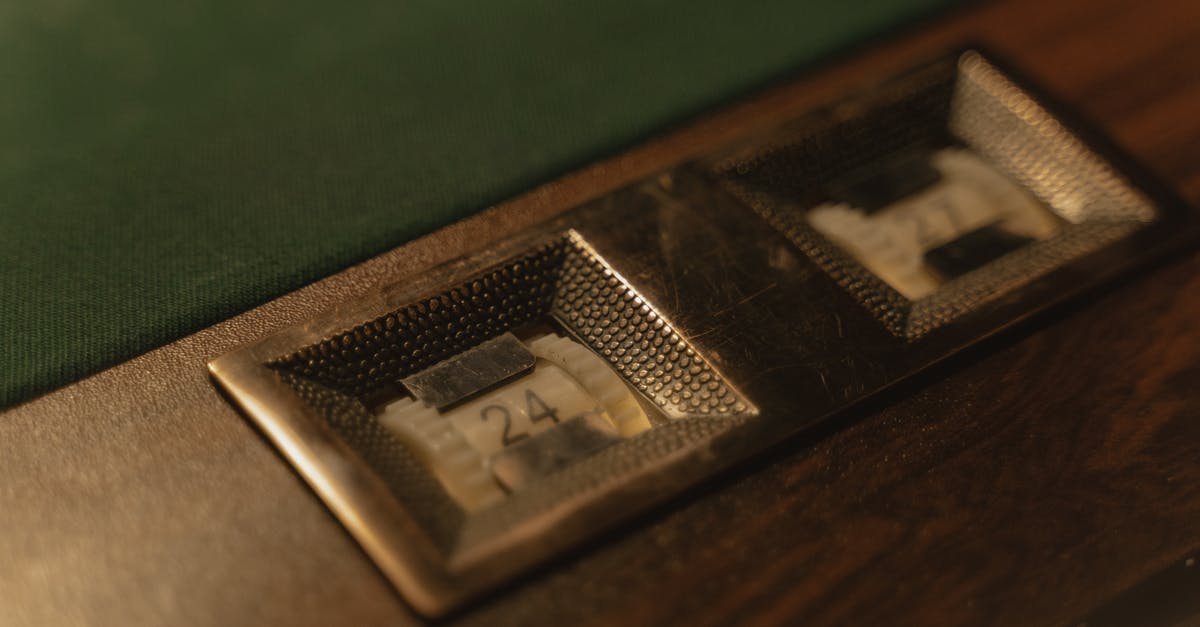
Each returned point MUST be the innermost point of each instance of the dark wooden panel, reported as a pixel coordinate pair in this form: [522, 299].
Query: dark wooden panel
[1028, 482]
[1032, 481]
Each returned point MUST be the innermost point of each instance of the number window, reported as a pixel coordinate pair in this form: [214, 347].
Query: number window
[569, 388]
[919, 220]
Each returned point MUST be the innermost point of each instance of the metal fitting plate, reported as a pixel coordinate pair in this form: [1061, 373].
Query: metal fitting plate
[742, 297]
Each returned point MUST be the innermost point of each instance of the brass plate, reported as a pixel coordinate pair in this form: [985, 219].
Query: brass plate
[737, 330]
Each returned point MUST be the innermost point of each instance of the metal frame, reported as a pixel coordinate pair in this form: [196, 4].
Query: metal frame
[769, 320]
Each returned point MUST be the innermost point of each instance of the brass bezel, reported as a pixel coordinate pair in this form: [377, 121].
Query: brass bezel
[965, 101]
[791, 337]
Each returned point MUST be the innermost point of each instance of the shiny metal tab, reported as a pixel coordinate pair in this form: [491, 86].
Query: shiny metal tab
[470, 372]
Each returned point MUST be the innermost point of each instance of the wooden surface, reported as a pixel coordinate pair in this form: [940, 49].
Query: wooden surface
[1051, 474]
[1030, 482]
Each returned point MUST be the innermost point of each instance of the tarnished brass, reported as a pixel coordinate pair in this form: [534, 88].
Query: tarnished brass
[470, 371]
[736, 330]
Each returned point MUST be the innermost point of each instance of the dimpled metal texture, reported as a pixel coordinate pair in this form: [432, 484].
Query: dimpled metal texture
[1002, 123]
[606, 313]
[380, 352]
[405, 476]
[968, 103]
[564, 280]
[783, 176]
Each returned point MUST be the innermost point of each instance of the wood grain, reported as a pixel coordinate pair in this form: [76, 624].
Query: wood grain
[1025, 483]
[1030, 481]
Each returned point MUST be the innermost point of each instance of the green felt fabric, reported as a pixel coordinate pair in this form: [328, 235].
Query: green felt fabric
[165, 164]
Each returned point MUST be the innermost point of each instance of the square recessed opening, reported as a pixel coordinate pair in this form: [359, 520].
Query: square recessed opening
[536, 384]
[936, 193]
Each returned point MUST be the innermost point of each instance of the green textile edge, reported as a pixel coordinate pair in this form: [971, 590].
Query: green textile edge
[166, 165]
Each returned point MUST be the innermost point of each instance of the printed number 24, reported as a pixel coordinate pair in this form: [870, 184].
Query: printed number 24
[535, 408]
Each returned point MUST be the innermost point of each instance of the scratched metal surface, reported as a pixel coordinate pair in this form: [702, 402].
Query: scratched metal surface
[782, 330]
[145, 498]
